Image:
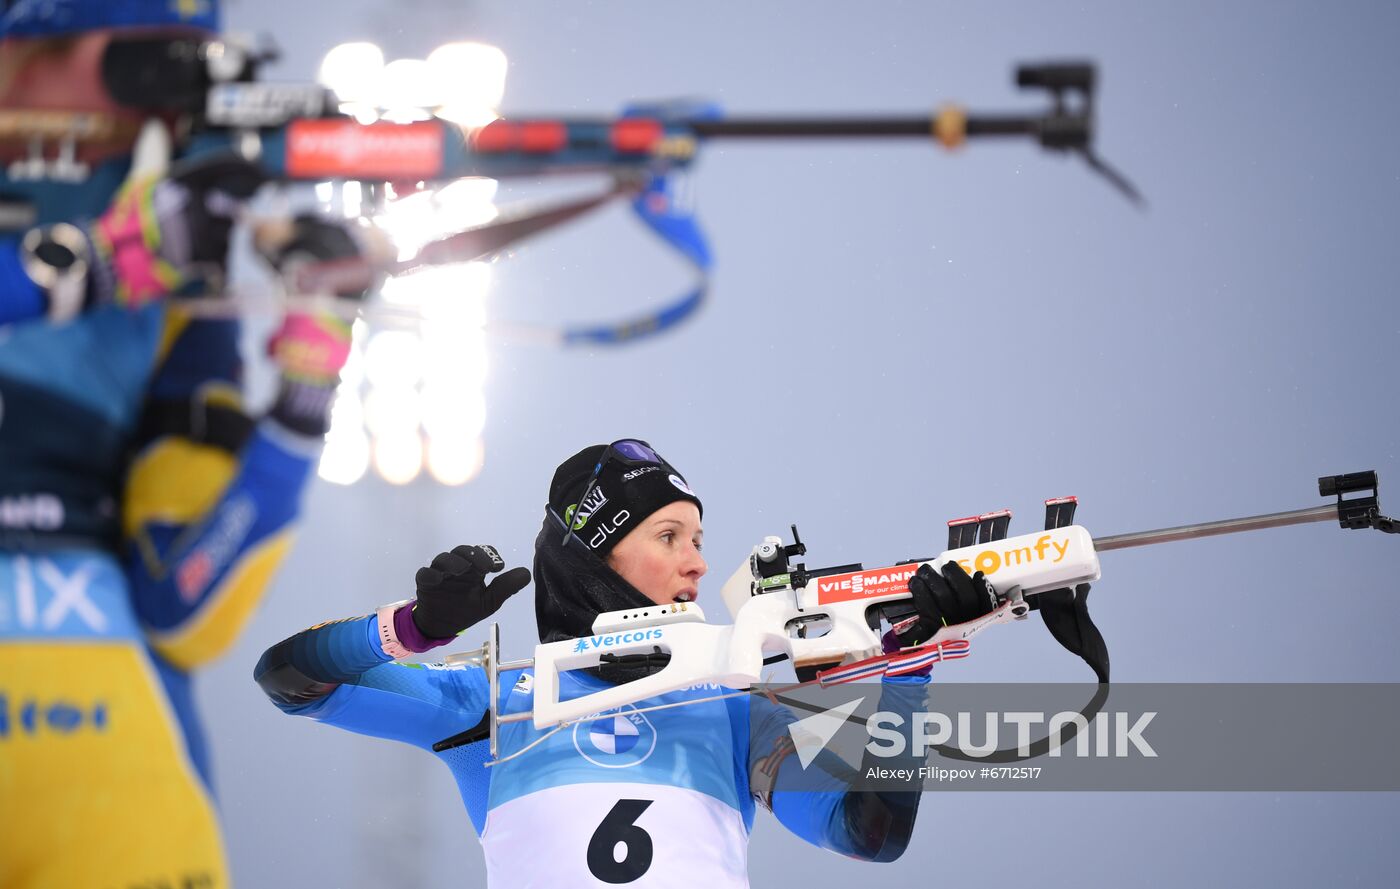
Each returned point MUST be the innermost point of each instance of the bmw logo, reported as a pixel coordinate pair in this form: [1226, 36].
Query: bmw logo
[616, 740]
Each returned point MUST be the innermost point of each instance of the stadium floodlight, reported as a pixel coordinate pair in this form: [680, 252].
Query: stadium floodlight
[353, 71]
[412, 396]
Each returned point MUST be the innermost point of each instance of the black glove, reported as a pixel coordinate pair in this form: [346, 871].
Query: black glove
[946, 599]
[453, 593]
[305, 250]
[217, 186]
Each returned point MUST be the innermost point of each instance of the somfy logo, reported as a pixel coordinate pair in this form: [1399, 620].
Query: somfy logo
[989, 561]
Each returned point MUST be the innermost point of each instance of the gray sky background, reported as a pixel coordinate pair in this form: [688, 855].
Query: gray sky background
[897, 337]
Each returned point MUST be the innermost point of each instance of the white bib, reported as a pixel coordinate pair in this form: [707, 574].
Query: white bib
[616, 834]
[628, 798]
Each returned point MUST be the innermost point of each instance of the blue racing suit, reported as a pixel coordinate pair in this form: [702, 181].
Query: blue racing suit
[660, 798]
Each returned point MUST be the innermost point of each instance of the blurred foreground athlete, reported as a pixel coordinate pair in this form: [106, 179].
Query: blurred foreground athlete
[142, 512]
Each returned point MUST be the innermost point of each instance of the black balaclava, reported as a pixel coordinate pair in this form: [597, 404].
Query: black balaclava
[573, 582]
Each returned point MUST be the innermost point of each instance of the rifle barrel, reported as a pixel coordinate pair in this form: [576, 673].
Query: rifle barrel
[1212, 529]
[855, 127]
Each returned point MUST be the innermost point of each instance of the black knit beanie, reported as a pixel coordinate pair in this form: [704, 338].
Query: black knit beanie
[629, 487]
[573, 583]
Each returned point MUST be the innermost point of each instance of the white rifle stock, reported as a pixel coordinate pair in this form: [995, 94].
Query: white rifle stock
[779, 617]
[830, 617]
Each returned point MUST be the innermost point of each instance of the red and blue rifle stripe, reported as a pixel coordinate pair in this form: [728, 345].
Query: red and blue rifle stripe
[900, 663]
